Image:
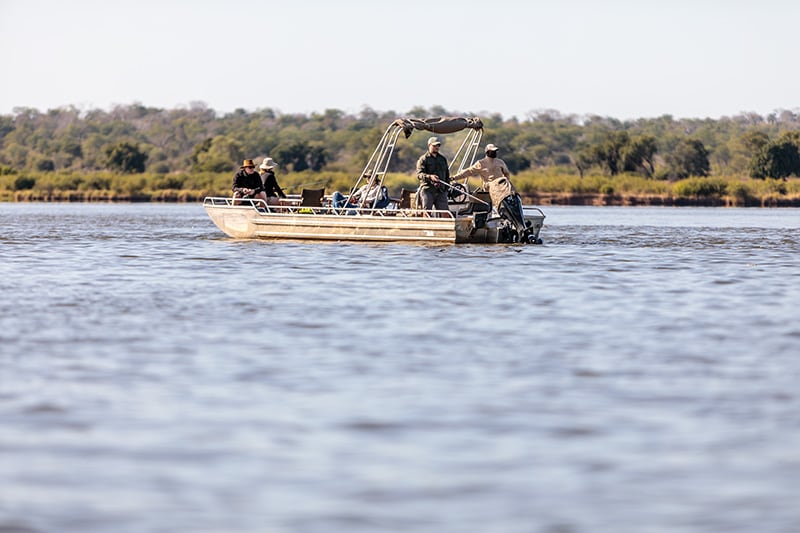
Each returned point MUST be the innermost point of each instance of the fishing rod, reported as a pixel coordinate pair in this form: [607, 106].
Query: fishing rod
[309, 184]
[464, 192]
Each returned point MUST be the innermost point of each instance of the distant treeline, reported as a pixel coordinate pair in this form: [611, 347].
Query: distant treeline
[101, 152]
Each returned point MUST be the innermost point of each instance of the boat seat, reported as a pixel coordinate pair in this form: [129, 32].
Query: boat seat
[406, 197]
[311, 197]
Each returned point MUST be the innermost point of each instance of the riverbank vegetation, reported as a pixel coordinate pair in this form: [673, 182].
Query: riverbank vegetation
[137, 153]
[539, 187]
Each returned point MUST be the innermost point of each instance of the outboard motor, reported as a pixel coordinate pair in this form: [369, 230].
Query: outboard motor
[510, 208]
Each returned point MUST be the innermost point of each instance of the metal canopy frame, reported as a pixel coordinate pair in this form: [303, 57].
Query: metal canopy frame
[464, 157]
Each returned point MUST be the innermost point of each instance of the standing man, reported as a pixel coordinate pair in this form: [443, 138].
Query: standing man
[494, 175]
[433, 173]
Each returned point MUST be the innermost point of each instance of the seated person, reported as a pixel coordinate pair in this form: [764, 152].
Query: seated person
[271, 187]
[247, 183]
[376, 196]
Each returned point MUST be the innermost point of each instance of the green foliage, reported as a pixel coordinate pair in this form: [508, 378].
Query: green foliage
[700, 187]
[45, 165]
[193, 186]
[300, 156]
[754, 140]
[128, 184]
[62, 181]
[516, 162]
[740, 193]
[689, 158]
[125, 157]
[618, 151]
[559, 182]
[167, 182]
[583, 159]
[96, 182]
[200, 139]
[71, 147]
[761, 189]
[777, 159]
[217, 154]
[638, 155]
[6, 126]
[197, 149]
[213, 182]
[24, 182]
[609, 152]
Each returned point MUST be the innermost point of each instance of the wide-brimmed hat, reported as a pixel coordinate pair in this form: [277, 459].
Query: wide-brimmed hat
[434, 140]
[248, 163]
[491, 148]
[268, 163]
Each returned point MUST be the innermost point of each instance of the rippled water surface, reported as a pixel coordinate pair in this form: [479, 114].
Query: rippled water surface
[637, 373]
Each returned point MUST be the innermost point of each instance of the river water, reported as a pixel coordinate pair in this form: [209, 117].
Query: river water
[636, 373]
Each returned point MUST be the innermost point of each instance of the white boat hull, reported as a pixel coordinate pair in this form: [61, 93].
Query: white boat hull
[386, 225]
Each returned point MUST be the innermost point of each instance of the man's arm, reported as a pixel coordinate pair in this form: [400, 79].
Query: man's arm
[474, 170]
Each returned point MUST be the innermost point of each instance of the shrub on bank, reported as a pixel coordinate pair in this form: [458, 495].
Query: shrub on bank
[700, 188]
[563, 182]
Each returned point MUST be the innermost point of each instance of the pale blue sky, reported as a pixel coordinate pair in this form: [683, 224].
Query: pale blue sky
[618, 58]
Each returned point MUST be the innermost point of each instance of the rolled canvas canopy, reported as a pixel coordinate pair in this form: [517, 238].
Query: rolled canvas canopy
[438, 124]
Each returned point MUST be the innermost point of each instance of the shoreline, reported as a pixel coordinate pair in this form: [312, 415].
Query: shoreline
[620, 200]
[564, 199]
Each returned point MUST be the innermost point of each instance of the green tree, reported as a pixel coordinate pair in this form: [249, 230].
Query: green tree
[24, 182]
[778, 159]
[293, 155]
[689, 158]
[608, 153]
[125, 157]
[15, 155]
[583, 159]
[301, 156]
[218, 154]
[516, 162]
[175, 139]
[754, 140]
[317, 157]
[200, 148]
[638, 155]
[45, 165]
[6, 126]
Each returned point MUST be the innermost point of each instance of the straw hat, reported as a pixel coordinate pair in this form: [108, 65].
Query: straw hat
[248, 163]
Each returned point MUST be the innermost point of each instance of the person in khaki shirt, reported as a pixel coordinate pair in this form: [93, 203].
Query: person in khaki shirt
[494, 174]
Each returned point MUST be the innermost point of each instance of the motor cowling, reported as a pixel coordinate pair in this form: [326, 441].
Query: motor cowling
[511, 210]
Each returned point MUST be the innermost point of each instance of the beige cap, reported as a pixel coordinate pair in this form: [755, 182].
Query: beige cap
[434, 140]
[268, 163]
[491, 148]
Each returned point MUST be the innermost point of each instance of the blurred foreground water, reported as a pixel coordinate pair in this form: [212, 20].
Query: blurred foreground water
[637, 373]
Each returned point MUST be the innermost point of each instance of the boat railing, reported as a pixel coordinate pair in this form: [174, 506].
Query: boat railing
[292, 208]
[530, 210]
